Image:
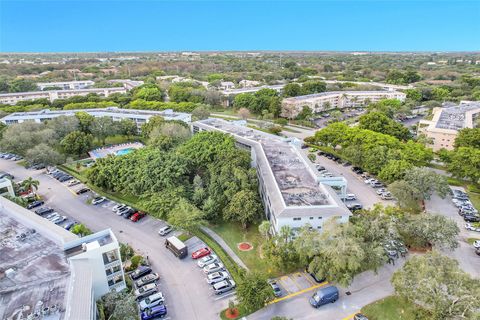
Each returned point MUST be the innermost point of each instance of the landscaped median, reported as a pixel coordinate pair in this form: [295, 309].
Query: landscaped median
[394, 308]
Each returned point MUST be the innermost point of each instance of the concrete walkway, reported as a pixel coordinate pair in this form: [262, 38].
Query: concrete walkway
[225, 247]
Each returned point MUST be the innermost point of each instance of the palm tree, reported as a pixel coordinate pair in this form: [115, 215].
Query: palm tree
[30, 184]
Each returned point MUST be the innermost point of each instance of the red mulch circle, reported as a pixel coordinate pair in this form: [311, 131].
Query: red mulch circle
[244, 246]
[232, 313]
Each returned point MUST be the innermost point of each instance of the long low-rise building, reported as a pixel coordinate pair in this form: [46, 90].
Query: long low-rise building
[319, 102]
[292, 192]
[442, 130]
[46, 272]
[138, 116]
[66, 85]
[51, 95]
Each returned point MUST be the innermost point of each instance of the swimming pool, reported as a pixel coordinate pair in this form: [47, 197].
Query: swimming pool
[122, 152]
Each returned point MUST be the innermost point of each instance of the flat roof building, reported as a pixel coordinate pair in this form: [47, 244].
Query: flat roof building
[46, 272]
[66, 85]
[292, 192]
[138, 116]
[320, 102]
[447, 121]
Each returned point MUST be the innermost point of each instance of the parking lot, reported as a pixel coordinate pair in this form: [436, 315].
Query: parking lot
[187, 294]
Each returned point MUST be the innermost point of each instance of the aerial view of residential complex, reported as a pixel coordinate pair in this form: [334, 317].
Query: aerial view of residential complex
[254, 160]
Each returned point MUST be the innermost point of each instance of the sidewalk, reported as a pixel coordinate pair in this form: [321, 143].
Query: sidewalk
[225, 247]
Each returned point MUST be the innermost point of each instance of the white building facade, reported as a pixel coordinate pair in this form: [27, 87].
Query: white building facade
[66, 85]
[320, 102]
[292, 192]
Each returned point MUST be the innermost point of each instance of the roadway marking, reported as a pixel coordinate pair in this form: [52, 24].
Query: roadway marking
[350, 316]
[299, 292]
[295, 281]
[281, 280]
[307, 276]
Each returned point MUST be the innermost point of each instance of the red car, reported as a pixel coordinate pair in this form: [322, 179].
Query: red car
[201, 253]
[137, 216]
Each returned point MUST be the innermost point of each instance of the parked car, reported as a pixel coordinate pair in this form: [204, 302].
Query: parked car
[205, 261]
[201, 253]
[38, 166]
[323, 296]
[359, 316]
[141, 271]
[152, 301]
[149, 278]
[137, 216]
[127, 214]
[146, 290]
[357, 170]
[369, 180]
[35, 204]
[69, 225]
[471, 218]
[477, 251]
[43, 211]
[386, 196]
[471, 227]
[377, 184]
[53, 217]
[98, 200]
[6, 175]
[277, 291]
[118, 207]
[123, 210]
[156, 312]
[82, 190]
[213, 267]
[72, 183]
[65, 178]
[60, 219]
[354, 206]
[476, 244]
[350, 197]
[224, 286]
[165, 230]
[215, 277]
[313, 275]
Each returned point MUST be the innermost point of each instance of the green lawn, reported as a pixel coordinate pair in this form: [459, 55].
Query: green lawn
[394, 308]
[233, 233]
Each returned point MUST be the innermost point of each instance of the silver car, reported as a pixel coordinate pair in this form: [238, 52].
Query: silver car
[213, 267]
[217, 277]
[152, 301]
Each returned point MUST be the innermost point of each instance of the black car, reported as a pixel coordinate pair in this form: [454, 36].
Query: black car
[43, 211]
[6, 175]
[317, 280]
[140, 272]
[357, 170]
[35, 204]
[471, 218]
[127, 214]
[82, 190]
[65, 178]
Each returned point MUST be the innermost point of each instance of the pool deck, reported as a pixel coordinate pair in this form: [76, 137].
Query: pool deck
[105, 151]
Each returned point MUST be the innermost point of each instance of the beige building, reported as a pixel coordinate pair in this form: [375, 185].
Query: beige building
[446, 122]
[319, 102]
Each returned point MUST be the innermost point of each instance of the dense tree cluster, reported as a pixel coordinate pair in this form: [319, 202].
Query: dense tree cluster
[262, 102]
[205, 174]
[379, 122]
[294, 89]
[371, 150]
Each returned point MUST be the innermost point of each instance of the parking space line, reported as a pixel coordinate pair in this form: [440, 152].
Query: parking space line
[299, 292]
[309, 279]
[295, 280]
[281, 280]
[349, 317]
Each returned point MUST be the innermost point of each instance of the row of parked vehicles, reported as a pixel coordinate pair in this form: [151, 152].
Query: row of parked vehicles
[62, 176]
[216, 273]
[10, 156]
[465, 208]
[123, 210]
[151, 300]
[50, 214]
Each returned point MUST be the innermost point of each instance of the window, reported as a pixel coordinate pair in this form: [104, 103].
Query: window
[311, 218]
[110, 256]
[297, 219]
[319, 218]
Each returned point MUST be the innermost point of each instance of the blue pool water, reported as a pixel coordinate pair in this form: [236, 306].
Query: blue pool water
[124, 151]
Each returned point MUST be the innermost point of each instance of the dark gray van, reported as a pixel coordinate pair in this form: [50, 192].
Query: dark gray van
[324, 296]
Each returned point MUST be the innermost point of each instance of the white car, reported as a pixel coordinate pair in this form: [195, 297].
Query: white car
[476, 244]
[350, 197]
[152, 301]
[369, 180]
[73, 182]
[217, 277]
[165, 230]
[59, 219]
[470, 227]
[54, 216]
[98, 200]
[118, 207]
[205, 261]
[386, 196]
[381, 191]
[213, 267]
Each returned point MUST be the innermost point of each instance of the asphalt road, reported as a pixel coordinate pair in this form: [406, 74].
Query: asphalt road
[187, 294]
[465, 253]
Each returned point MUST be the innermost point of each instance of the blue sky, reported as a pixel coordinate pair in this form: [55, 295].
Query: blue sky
[67, 26]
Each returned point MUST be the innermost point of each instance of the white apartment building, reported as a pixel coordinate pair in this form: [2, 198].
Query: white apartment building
[51, 95]
[138, 116]
[447, 121]
[319, 102]
[292, 192]
[66, 85]
[51, 273]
